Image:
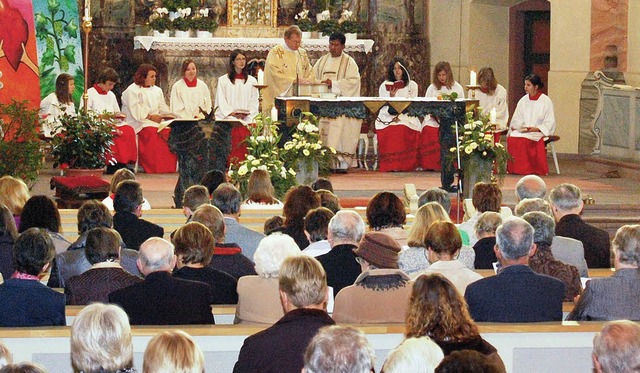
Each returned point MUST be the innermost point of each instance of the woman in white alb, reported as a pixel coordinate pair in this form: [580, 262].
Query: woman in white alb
[189, 95]
[57, 104]
[397, 133]
[443, 83]
[236, 95]
[493, 96]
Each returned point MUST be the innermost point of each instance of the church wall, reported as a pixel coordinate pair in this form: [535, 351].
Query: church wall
[570, 56]
[632, 74]
[448, 38]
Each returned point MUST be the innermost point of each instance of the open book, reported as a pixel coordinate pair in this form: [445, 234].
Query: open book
[398, 84]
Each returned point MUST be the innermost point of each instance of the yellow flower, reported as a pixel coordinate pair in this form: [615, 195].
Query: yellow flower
[468, 150]
[306, 152]
[243, 170]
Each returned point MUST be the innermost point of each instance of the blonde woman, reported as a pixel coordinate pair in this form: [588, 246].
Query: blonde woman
[414, 259]
[260, 192]
[14, 193]
[173, 351]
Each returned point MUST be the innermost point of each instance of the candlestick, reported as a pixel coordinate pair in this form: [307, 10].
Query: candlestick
[493, 116]
[472, 78]
[260, 77]
[260, 87]
[86, 28]
[473, 88]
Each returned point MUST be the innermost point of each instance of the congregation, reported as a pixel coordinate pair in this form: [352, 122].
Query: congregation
[357, 271]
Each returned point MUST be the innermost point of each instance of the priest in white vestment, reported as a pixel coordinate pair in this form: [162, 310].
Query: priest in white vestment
[340, 73]
[284, 65]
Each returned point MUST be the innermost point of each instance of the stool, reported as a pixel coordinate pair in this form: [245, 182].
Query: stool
[549, 140]
[362, 153]
[73, 191]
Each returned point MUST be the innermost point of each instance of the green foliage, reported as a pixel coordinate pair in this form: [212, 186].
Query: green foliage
[20, 148]
[204, 24]
[182, 24]
[328, 26]
[83, 140]
[305, 24]
[53, 28]
[306, 145]
[349, 26]
[174, 5]
[161, 24]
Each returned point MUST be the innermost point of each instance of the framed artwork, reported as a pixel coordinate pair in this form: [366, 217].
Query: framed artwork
[252, 13]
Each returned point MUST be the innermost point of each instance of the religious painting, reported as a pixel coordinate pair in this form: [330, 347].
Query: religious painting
[59, 45]
[18, 57]
[252, 13]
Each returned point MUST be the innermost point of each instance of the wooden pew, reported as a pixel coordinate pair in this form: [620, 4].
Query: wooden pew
[536, 347]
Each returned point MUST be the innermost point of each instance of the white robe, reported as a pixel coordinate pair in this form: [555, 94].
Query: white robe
[282, 67]
[434, 92]
[138, 102]
[533, 113]
[340, 133]
[186, 101]
[100, 103]
[52, 109]
[497, 100]
[233, 96]
[411, 90]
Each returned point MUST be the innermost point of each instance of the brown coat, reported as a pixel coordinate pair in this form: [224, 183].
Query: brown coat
[258, 301]
[378, 296]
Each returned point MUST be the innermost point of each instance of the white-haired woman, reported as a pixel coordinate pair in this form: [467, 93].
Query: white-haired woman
[101, 340]
[258, 296]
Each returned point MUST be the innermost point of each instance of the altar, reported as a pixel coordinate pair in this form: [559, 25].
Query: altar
[618, 123]
[450, 113]
[211, 55]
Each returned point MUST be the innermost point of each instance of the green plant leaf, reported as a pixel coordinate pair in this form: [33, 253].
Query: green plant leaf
[41, 25]
[57, 27]
[47, 57]
[70, 53]
[53, 5]
[64, 64]
[72, 29]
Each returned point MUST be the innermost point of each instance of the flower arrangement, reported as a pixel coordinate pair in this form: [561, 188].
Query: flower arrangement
[477, 144]
[83, 140]
[349, 24]
[305, 148]
[159, 20]
[263, 154]
[183, 22]
[202, 22]
[303, 21]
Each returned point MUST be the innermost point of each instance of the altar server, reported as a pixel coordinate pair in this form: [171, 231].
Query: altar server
[236, 95]
[143, 103]
[443, 83]
[340, 73]
[57, 103]
[101, 98]
[286, 64]
[531, 122]
[493, 96]
[190, 95]
[397, 133]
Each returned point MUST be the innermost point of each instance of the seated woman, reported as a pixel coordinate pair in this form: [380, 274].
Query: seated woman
[437, 310]
[531, 122]
[386, 214]
[616, 297]
[260, 192]
[258, 296]
[8, 237]
[173, 351]
[42, 212]
[124, 149]
[57, 104]
[397, 133]
[143, 103]
[493, 96]
[442, 83]
[14, 193]
[194, 245]
[121, 175]
[485, 229]
[101, 340]
[443, 244]
[297, 203]
[190, 95]
[486, 197]
[414, 258]
[237, 99]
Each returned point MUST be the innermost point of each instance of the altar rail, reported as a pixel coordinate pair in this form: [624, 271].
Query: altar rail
[524, 348]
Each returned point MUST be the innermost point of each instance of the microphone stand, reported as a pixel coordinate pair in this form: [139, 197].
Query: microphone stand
[459, 172]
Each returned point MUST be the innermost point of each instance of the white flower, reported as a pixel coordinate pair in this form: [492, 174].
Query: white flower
[467, 126]
[300, 126]
[488, 137]
[302, 15]
[292, 172]
[204, 12]
[306, 152]
[261, 138]
[499, 145]
[474, 145]
[243, 170]
[324, 16]
[262, 167]
[468, 150]
[250, 157]
[255, 162]
[333, 150]
[288, 145]
[283, 174]
[310, 128]
[484, 153]
[452, 149]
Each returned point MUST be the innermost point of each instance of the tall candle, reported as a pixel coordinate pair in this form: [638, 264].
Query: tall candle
[274, 114]
[260, 77]
[87, 7]
[472, 78]
[493, 116]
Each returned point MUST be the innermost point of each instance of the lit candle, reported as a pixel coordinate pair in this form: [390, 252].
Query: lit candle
[87, 7]
[472, 78]
[260, 77]
[493, 116]
[274, 114]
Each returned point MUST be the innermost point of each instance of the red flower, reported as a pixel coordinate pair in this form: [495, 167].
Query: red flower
[64, 166]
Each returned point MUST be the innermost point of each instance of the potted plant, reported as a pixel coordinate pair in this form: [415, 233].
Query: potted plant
[205, 26]
[326, 25]
[305, 152]
[160, 23]
[20, 145]
[480, 155]
[175, 5]
[182, 24]
[83, 141]
[349, 25]
[305, 24]
[263, 153]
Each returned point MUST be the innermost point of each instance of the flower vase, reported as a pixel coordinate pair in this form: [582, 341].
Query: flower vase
[475, 169]
[181, 34]
[164, 34]
[306, 35]
[324, 36]
[203, 34]
[306, 171]
[351, 35]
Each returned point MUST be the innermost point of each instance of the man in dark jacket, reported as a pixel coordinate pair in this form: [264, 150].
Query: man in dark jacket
[280, 348]
[128, 206]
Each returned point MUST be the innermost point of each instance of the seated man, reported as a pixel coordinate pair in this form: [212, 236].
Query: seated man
[381, 293]
[161, 299]
[105, 274]
[303, 293]
[566, 203]
[339, 349]
[128, 206]
[530, 186]
[616, 349]
[316, 227]
[25, 301]
[516, 293]
[194, 197]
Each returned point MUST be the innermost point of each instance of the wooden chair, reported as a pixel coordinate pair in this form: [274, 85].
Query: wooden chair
[549, 140]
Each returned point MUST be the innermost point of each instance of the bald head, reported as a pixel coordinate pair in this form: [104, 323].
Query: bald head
[530, 186]
[156, 255]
